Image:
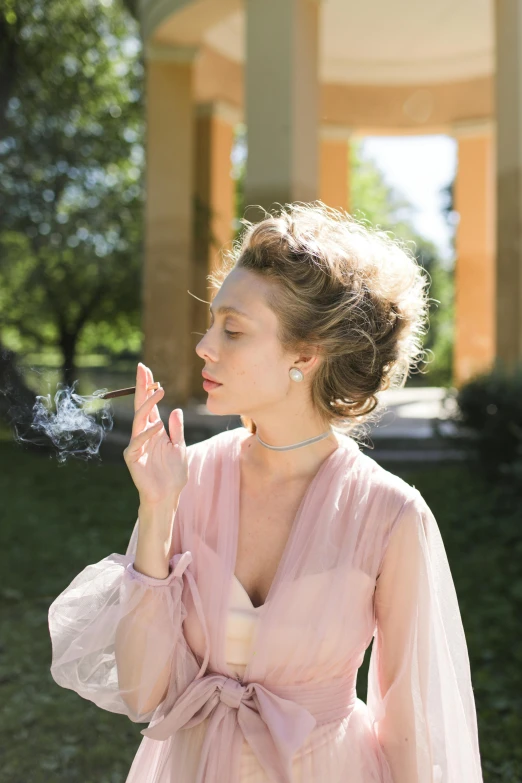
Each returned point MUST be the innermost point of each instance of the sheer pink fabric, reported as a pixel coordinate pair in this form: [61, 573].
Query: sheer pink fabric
[270, 695]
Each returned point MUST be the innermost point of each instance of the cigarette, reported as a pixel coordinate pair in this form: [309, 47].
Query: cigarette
[127, 391]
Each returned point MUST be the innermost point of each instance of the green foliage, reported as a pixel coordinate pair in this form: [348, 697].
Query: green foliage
[71, 163]
[58, 520]
[490, 406]
[373, 200]
[63, 519]
[441, 337]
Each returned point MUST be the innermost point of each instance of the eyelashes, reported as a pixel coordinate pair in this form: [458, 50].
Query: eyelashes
[230, 335]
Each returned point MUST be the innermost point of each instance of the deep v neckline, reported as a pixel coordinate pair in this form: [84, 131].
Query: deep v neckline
[328, 461]
[255, 608]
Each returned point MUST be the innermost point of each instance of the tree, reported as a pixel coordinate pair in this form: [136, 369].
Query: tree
[71, 164]
[376, 201]
[382, 205]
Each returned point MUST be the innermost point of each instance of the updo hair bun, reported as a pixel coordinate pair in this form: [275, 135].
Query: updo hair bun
[355, 293]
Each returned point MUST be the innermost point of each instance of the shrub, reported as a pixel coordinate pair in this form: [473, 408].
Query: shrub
[489, 407]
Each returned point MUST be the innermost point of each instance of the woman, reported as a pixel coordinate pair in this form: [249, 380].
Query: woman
[266, 558]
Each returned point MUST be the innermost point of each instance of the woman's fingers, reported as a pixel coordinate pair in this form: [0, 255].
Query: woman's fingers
[144, 378]
[148, 381]
[141, 417]
[138, 441]
[154, 413]
[140, 395]
[176, 432]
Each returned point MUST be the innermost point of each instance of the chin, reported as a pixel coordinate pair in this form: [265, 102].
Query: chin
[218, 407]
[222, 407]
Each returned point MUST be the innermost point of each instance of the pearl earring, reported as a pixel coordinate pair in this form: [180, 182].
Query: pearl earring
[296, 374]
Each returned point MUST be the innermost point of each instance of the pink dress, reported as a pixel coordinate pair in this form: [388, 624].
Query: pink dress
[237, 694]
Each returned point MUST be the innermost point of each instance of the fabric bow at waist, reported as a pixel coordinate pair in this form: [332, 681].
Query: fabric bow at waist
[275, 724]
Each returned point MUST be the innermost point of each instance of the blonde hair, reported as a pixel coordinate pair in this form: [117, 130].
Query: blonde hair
[355, 293]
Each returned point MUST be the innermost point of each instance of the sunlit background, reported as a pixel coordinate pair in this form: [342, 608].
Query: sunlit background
[125, 170]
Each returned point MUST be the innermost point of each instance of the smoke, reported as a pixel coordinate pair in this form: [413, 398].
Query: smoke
[76, 425]
[65, 424]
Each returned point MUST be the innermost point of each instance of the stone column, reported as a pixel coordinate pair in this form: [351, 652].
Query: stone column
[508, 46]
[167, 277]
[475, 289]
[334, 168]
[214, 205]
[282, 102]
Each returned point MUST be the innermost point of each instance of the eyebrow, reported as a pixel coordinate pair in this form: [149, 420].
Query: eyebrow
[229, 310]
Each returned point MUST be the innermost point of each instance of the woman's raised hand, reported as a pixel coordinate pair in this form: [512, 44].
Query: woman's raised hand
[156, 461]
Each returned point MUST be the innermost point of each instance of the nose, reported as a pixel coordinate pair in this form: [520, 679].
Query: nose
[202, 349]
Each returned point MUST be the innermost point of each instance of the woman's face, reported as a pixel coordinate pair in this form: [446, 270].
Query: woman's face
[244, 354]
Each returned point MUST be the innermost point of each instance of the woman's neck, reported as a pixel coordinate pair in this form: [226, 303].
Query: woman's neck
[284, 465]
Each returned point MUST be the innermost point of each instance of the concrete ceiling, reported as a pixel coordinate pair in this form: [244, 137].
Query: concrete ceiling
[388, 41]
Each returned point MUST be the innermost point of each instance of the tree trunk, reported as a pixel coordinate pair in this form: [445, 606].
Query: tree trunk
[13, 389]
[17, 402]
[68, 344]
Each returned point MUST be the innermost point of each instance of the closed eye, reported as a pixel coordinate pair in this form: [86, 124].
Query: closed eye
[230, 335]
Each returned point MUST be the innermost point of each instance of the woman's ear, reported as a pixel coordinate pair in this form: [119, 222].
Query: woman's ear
[308, 360]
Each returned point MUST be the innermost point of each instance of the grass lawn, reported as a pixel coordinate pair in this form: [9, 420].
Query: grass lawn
[56, 520]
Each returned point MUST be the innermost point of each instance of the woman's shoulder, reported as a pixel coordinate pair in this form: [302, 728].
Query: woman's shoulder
[378, 480]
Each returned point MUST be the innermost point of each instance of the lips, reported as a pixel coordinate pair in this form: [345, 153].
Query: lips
[209, 378]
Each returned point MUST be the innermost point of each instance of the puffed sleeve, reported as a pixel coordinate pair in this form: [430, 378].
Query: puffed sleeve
[117, 636]
[420, 696]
